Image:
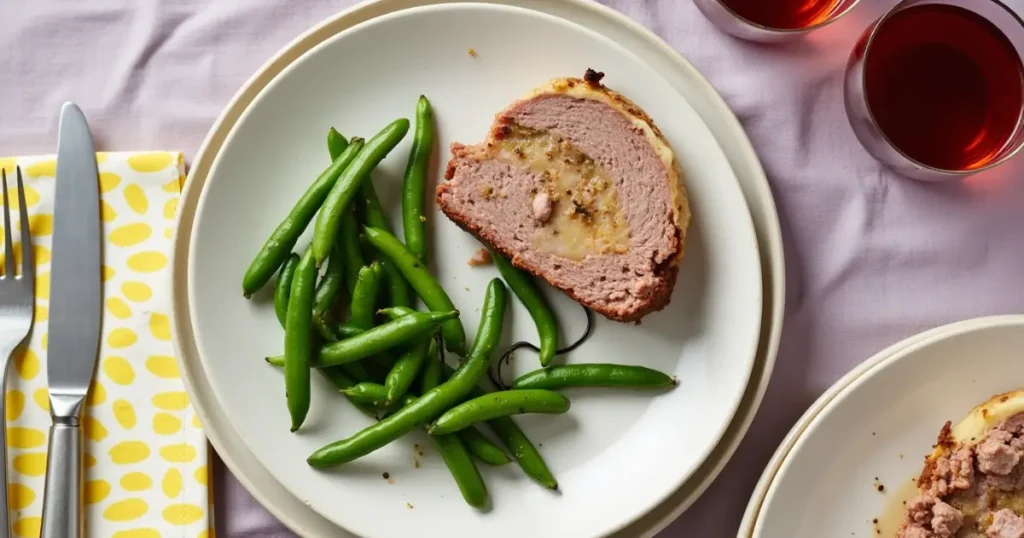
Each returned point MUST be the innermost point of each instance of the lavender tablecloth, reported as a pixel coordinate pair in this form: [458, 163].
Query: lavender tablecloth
[872, 257]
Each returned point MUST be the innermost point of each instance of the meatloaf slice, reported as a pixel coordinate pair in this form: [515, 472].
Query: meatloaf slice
[576, 185]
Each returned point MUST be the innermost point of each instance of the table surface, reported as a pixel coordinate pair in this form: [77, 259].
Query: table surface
[872, 257]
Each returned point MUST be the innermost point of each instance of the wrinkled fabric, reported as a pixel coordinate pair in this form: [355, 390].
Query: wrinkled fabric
[872, 258]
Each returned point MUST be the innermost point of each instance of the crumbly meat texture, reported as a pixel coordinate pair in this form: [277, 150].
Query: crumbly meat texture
[979, 474]
[499, 203]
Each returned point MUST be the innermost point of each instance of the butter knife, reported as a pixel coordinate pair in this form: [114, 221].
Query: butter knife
[75, 319]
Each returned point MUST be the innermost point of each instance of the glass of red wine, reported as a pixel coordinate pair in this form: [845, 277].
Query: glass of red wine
[935, 88]
[772, 20]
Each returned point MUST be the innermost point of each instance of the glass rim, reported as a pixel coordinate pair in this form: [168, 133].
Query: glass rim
[833, 17]
[871, 114]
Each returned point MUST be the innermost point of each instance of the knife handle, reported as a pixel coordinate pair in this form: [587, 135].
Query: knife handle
[62, 508]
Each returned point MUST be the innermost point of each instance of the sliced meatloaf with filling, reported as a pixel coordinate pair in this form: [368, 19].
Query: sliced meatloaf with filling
[576, 185]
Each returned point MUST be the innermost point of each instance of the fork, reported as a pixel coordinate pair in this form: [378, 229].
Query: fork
[17, 311]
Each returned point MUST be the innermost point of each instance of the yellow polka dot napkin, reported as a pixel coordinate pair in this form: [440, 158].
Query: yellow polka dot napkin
[145, 452]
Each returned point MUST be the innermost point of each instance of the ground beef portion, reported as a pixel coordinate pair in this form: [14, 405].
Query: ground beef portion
[983, 471]
[929, 517]
[946, 520]
[1006, 524]
[952, 472]
[997, 454]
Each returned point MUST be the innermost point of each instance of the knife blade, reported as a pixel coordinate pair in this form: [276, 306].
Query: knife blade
[75, 318]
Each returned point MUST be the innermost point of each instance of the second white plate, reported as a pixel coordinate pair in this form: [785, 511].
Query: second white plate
[877, 430]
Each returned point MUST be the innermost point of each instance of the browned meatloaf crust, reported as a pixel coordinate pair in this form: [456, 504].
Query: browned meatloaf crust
[626, 207]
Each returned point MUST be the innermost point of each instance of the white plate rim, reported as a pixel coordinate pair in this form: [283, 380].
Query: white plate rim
[848, 383]
[742, 154]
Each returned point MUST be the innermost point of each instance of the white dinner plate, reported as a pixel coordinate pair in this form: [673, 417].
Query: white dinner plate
[238, 457]
[632, 443]
[753, 509]
[877, 430]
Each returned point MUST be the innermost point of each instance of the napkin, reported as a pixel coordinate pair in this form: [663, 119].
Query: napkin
[145, 455]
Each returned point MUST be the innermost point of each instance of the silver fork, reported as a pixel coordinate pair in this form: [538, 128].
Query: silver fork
[17, 311]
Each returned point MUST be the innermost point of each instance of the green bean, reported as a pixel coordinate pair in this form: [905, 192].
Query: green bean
[346, 330]
[435, 401]
[364, 301]
[414, 185]
[353, 369]
[336, 143]
[523, 450]
[337, 202]
[278, 247]
[482, 447]
[395, 312]
[430, 377]
[425, 285]
[594, 375]
[543, 317]
[514, 439]
[382, 337]
[460, 464]
[364, 296]
[298, 346]
[327, 293]
[366, 393]
[499, 404]
[336, 376]
[479, 445]
[405, 370]
[351, 256]
[283, 287]
[398, 288]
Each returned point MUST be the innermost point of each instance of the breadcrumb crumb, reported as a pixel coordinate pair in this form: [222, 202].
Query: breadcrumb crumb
[481, 257]
[472, 52]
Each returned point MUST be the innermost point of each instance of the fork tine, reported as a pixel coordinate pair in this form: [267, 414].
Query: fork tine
[8, 241]
[28, 267]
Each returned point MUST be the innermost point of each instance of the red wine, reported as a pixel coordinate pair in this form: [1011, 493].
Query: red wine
[786, 14]
[944, 85]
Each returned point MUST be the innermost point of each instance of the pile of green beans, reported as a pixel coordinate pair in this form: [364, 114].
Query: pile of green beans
[357, 323]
